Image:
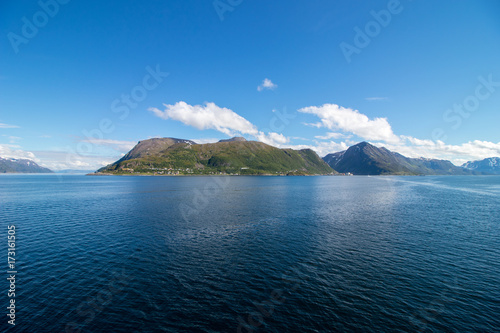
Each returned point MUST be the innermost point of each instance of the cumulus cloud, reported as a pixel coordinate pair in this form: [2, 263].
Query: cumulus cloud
[336, 117]
[208, 116]
[378, 131]
[211, 116]
[267, 84]
[418, 142]
[13, 151]
[8, 126]
[272, 138]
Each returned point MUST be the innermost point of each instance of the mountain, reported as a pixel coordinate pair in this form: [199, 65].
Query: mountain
[366, 159]
[488, 165]
[234, 156]
[13, 165]
[236, 138]
[152, 147]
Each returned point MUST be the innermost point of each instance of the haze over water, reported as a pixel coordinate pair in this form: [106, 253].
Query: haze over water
[262, 254]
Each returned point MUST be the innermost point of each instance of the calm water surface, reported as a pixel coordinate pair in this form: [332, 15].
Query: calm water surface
[253, 254]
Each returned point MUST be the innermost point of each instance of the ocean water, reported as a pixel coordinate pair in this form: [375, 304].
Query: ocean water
[252, 254]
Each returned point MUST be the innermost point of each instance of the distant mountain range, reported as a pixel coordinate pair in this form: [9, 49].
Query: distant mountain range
[488, 165]
[13, 165]
[236, 156]
[366, 159]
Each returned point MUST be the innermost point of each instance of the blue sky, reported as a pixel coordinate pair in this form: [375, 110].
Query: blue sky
[82, 82]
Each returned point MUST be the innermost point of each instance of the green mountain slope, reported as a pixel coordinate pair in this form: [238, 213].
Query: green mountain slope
[177, 156]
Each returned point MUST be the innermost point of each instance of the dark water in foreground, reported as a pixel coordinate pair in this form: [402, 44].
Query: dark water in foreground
[261, 254]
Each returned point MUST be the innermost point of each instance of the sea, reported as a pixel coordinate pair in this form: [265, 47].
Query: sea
[249, 254]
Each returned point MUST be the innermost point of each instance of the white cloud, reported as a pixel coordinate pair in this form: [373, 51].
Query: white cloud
[336, 117]
[13, 151]
[267, 84]
[418, 142]
[8, 126]
[208, 116]
[272, 138]
[379, 132]
[211, 116]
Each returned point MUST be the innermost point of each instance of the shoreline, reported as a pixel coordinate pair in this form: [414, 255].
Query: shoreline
[268, 175]
[226, 175]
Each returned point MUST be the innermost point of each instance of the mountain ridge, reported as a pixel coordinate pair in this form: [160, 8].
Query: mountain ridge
[489, 165]
[366, 159]
[21, 165]
[236, 138]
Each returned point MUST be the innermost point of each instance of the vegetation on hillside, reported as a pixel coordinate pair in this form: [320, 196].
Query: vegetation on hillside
[164, 157]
